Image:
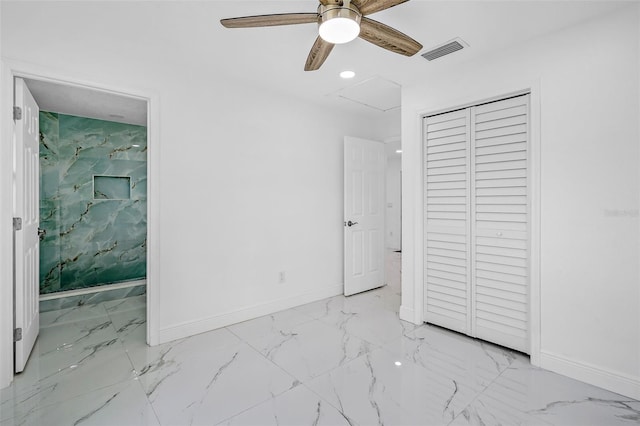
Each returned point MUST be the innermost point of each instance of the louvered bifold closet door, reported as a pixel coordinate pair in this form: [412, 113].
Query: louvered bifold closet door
[500, 241]
[447, 218]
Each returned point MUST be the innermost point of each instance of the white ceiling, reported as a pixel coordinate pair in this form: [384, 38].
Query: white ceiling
[189, 33]
[83, 102]
[275, 56]
[376, 92]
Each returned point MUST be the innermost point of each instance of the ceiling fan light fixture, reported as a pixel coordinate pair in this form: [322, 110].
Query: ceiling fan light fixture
[339, 25]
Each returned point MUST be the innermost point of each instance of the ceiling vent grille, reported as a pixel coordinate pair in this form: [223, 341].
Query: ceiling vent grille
[445, 49]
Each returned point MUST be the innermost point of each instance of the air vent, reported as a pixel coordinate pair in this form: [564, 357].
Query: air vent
[445, 49]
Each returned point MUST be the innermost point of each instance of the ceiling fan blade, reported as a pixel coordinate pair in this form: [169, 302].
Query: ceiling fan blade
[331, 2]
[388, 38]
[270, 20]
[367, 7]
[318, 54]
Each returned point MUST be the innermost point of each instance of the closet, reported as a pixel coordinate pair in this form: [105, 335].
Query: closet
[476, 221]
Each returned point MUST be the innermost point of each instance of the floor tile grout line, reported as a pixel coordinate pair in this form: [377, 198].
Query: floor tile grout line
[38, 388]
[276, 364]
[375, 346]
[45, 407]
[351, 421]
[300, 382]
[308, 319]
[146, 397]
[246, 343]
[481, 392]
[69, 310]
[133, 368]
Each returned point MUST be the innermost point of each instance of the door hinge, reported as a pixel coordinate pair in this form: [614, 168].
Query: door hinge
[17, 113]
[17, 223]
[17, 334]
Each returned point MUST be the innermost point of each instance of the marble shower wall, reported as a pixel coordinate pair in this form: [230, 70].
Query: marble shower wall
[96, 233]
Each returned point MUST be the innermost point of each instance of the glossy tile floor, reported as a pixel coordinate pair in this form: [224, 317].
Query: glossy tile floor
[340, 361]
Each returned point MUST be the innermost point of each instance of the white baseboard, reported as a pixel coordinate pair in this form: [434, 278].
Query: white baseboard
[200, 326]
[624, 385]
[90, 290]
[409, 315]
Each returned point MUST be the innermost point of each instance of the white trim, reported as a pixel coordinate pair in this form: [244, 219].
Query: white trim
[191, 328]
[637, 394]
[91, 290]
[10, 70]
[153, 219]
[535, 203]
[6, 232]
[409, 315]
[418, 302]
[534, 89]
[588, 373]
[418, 220]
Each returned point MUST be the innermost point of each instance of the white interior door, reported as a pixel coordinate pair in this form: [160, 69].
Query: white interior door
[364, 197]
[26, 189]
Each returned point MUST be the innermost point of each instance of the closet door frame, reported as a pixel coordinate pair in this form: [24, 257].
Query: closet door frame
[533, 194]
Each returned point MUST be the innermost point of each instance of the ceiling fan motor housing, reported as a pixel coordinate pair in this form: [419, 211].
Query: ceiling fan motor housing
[339, 18]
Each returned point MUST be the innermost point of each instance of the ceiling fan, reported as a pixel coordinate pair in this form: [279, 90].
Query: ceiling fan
[340, 21]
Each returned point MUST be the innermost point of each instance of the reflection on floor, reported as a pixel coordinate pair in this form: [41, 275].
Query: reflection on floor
[338, 361]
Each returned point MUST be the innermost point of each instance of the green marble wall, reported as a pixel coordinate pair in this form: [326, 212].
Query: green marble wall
[94, 235]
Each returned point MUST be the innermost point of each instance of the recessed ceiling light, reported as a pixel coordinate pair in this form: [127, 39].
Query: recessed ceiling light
[347, 74]
[398, 363]
[398, 151]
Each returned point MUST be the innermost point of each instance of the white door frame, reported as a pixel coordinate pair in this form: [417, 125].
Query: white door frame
[413, 188]
[8, 71]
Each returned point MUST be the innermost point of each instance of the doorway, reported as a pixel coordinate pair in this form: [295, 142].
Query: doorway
[93, 179]
[61, 90]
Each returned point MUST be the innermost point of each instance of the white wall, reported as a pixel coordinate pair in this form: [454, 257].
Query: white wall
[393, 211]
[250, 182]
[585, 86]
[249, 192]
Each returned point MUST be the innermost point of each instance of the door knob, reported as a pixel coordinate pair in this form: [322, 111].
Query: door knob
[41, 233]
[350, 224]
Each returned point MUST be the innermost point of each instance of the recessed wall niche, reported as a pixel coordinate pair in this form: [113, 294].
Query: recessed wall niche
[111, 188]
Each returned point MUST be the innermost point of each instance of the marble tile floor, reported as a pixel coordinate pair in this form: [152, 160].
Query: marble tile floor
[339, 361]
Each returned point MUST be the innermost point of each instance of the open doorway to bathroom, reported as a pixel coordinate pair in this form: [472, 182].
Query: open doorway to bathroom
[92, 202]
[18, 300]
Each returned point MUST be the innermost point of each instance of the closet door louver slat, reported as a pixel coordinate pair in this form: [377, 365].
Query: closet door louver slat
[447, 216]
[499, 245]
